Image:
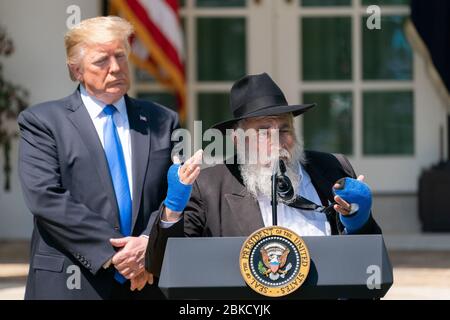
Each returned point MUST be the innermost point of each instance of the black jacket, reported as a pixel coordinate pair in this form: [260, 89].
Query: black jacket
[220, 205]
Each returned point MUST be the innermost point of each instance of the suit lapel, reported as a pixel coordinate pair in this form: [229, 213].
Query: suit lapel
[140, 146]
[322, 185]
[243, 206]
[324, 189]
[83, 123]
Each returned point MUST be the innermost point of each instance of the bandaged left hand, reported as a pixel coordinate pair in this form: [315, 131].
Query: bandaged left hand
[353, 201]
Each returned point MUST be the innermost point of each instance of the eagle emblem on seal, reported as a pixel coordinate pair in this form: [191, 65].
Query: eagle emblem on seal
[274, 257]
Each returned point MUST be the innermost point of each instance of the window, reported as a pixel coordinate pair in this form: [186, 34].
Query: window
[362, 79]
[356, 75]
[330, 127]
[216, 48]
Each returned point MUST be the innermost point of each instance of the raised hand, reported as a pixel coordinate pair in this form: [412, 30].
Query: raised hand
[342, 206]
[190, 170]
[180, 180]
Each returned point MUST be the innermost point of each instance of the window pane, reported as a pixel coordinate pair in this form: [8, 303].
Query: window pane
[386, 2]
[386, 52]
[388, 123]
[221, 3]
[326, 48]
[324, 3]
[328, 126]
[164, 98]
[221, 49]
[213, 108]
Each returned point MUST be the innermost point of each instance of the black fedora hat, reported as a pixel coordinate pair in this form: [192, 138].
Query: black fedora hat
[257, 96]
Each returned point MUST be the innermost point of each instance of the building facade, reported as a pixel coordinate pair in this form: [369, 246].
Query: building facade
[376, 102]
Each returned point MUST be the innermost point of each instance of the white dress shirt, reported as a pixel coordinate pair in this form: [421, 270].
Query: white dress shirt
[120, 118]
[302, 222]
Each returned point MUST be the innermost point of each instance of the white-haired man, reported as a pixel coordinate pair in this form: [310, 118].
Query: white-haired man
[234, 199]
[93, 168]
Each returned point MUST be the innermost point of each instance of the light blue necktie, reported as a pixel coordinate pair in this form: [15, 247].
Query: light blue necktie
[118, 171]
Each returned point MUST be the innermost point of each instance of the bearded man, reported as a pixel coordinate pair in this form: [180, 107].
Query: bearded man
[234, 199]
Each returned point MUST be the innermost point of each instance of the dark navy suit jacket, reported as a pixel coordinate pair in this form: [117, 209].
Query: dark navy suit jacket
[68, 189]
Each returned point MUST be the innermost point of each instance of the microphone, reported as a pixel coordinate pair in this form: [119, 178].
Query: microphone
[284, 185]
[281, 187]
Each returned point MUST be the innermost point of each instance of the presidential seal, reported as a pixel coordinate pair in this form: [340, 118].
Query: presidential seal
[274, 261]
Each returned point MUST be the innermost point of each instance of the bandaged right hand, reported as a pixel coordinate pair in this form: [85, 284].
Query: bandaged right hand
[180, 179]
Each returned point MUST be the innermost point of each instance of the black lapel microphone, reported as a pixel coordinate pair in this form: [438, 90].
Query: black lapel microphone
[285, 192]
[284, 185]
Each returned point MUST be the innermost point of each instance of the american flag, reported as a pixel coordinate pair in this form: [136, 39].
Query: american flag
[157, 46]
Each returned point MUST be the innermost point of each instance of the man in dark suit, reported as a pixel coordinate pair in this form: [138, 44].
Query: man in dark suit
[233, 199]
[93, 168]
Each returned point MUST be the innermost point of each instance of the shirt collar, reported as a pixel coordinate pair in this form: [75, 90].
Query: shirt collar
[95, 107]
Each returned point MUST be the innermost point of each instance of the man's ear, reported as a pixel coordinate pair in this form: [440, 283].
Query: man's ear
[76, 73]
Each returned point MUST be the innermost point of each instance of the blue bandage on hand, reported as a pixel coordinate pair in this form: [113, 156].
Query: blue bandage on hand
[178, 193]
[357, 193]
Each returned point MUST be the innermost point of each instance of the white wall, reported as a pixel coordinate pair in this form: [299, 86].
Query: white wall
[38, 64]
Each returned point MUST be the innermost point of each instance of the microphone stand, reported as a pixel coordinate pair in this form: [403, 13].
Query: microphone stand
[274, 193]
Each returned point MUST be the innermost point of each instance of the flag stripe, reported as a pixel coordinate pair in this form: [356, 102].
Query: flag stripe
[167, 47]
[154, 48]
[151, 50]
[166, 19]
[173, 4]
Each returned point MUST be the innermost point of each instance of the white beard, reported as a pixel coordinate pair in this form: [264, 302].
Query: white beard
[257, 178]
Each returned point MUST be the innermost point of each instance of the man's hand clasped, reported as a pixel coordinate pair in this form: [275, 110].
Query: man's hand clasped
[130, 257]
